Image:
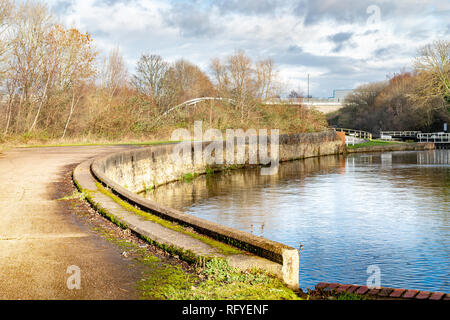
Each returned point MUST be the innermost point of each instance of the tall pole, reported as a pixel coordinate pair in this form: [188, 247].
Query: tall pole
[308, 88]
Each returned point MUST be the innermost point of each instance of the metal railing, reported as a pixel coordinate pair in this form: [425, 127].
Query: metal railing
[436, 137]
[400, 133]
[355, 133]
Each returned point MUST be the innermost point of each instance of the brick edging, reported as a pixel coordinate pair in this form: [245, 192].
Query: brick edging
[381, 293]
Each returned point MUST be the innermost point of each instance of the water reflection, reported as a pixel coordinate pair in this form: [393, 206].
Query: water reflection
[433, 157]
[389, 209]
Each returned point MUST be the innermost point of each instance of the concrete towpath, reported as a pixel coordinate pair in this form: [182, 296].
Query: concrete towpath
[40, 239]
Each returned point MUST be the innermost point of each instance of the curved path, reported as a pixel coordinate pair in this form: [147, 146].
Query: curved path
[40, 237]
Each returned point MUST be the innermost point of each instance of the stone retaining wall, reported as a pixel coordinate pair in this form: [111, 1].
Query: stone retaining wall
[133, 171]
[139, 169]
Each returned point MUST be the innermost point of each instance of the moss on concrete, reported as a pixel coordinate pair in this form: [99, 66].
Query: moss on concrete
[87, 194]
[104, 212]
[222, 247]
[188, 177]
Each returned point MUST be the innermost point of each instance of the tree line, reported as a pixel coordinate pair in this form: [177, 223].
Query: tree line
[53, 84]
[415, 100]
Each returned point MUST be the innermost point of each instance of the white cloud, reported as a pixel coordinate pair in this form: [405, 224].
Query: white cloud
[200, 30]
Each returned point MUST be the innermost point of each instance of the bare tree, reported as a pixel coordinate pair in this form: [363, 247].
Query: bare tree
[434, 62]
[294, 95]
[248, 84]
[188, 80]
[150, 73]
[266, 79]
[76, 66]
[31, 62]
[114, 74]
[6, 11]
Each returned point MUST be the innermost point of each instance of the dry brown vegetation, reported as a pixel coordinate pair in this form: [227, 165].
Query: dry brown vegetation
[54, 88]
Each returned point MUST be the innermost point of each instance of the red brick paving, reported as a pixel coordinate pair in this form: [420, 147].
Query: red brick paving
[322, 285]
[343, 288]
[397, 293]
[373, 292]
[352, 289]
[423, 295]
[333, 285]
[437, 296]
[382, 293]
[410, 294]
[362, 290]
[385, 292]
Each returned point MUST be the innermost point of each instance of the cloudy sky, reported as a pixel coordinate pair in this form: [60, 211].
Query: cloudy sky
[340, 43]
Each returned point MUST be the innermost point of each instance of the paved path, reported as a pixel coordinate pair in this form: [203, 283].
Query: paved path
[39, 238]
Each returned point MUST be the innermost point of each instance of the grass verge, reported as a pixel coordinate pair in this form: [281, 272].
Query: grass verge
[372, 143]
[216, 281]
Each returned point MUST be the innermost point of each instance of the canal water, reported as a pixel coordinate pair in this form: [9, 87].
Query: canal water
[388, 210]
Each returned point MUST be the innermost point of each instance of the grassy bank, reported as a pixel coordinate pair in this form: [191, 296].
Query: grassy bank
[372, 143]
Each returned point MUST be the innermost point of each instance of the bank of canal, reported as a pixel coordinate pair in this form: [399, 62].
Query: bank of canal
[389, 210]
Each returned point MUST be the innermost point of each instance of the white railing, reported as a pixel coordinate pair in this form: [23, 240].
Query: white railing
[436, 137]
[352, 140]
[355, 133]
[192, 102]
[400, 133]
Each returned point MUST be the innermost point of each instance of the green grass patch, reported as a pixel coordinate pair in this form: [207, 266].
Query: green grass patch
[162, 281]
[371, 143]
[349, 296]
[188, 177]
[148, 188]
[217, 281]
[209, 171]
[159, 280]
[73, 196]
[87, 195]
